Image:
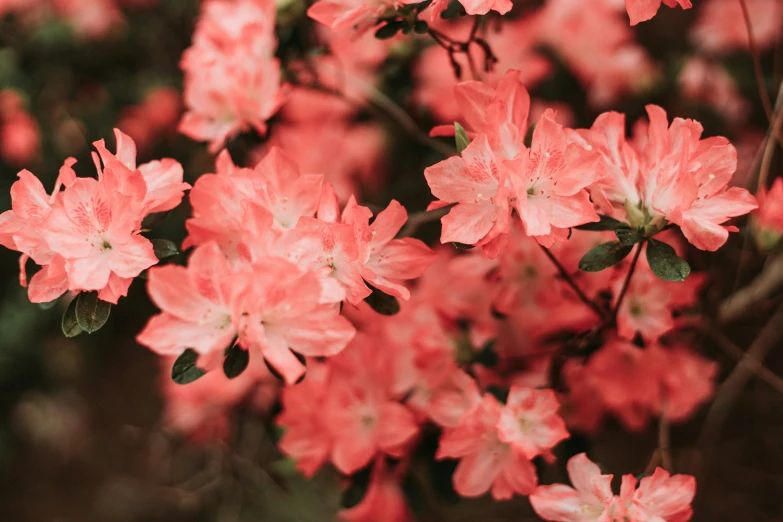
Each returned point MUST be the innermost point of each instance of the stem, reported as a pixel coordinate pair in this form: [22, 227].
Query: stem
[417, 219]
[570, 281]
[757, 70]
[626, 284]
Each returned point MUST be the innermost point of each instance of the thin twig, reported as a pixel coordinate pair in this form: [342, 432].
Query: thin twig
[744, 300]
[568, 279]
[729, 392]
[728, 346]
[627, 282]
[664, 443]
[757, 70]
[776, 123]
[417, 219]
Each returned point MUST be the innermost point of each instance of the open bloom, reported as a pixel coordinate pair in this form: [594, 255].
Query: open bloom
[661, 497]
[346, 15]
[487, 463]
[478, 183]
[195, 303]
[530, 423]
[591, 498]
[669, 175]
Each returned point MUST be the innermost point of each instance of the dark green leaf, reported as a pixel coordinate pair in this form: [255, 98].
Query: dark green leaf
[421, 27]
[164, 248]
[461, 137]
[185, 370]
[463, 246]
[628, 236]
[454, 10]
[487, 356]
[382, 302]
[49, 305]
[389, 30]
[236, 361]
[603, 256]
[91, 312]
[70, 325]
[357, 489]
[606, 223]
[498, 392]
[665, 263]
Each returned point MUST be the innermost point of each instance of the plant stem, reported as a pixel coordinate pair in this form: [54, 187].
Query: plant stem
[626, 284]
[570, 281]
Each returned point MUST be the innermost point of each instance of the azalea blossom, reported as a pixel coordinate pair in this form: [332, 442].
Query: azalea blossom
[86, 237]
[486, 462]
[530, 423]
[668, 175]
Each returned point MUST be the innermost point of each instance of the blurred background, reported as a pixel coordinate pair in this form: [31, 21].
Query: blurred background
[86, 429]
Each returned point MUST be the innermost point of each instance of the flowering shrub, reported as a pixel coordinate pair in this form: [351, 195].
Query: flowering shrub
[388, 358]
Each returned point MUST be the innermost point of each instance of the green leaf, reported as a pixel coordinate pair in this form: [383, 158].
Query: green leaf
[360, 483]
[606, 223]
[461, 137]
[185, 370]
[91, 312]
[279, 376]
[665, 263]
[421, 27]
[382, 302]
[462, 246]
[164, 248]
[628, 236]
[389, 30]
[70, 325]
[603, 256]
[236, 361]
[487, 356]
[454, 10]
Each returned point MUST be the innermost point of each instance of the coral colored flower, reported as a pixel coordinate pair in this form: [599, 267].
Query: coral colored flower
[486, 462]
[19, 137]
[195, 303]
[387, 261]
[482, 7]
[659, 498]
[768, 220]
[711, 84]
[591, 499]
[278, 311]
[549, 182]
[672, 176]
[643, 10]
[220, 201]
[530, 423]
[500, 113]
[686, 378]
[478, 183]
[232, 80]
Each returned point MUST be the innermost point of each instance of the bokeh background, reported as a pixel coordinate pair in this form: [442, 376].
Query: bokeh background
[82, 435]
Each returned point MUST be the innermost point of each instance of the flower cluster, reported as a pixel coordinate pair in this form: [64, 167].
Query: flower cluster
[86, 237]
[274, 259]
[658, 497]
[232, 79]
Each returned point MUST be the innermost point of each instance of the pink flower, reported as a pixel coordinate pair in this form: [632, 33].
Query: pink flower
[591, 498]
[711, 84]
[19, 138]
[659, 498]
[277, 311]
[486, 462]
[549, 181]
[195, 303]
[530, 423]
[643, 10]
[232, 80]
[478, 183]
[768, 221]
[387, 261]
[672, 176]
[500, 113]
[482, 7]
